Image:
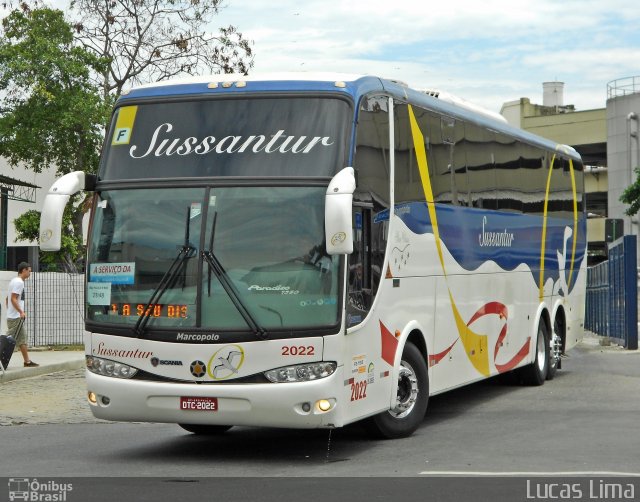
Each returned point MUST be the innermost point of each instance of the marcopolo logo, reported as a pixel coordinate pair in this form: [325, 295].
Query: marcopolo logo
[38, 491]
[197, 337]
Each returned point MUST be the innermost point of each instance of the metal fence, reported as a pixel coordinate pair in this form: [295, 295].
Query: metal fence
[612, 294]
[54, 303]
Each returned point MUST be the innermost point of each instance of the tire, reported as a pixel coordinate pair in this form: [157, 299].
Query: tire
[554, 362]
[206, 430]
[411, 402]
[536, 372]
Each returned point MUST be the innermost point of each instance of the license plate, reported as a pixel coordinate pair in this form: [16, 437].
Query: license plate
[199, 403]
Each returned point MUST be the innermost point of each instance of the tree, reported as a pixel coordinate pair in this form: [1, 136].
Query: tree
[71, 248]
[51, 113]
[58, 82]
[631, 195]
[151, 40]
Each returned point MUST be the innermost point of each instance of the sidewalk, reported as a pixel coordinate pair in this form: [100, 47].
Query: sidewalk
[50, 361]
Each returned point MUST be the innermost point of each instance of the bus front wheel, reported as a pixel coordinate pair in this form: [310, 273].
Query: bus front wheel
[205, 430]
[411, 401]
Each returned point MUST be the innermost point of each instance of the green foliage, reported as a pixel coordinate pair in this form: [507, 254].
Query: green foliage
[631, 195]
[50, 111]
[71, 249]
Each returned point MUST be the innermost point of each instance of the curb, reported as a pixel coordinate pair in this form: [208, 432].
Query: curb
[18, 373]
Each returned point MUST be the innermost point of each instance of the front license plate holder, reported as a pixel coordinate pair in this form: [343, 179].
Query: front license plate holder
[198, 403]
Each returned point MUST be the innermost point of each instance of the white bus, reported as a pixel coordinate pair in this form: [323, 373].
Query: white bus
[307, 252]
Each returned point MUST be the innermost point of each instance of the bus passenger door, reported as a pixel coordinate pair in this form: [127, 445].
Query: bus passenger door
[360, 284]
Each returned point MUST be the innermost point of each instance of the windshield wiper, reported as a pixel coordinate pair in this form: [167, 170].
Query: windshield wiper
[228, 286]
[186, 252]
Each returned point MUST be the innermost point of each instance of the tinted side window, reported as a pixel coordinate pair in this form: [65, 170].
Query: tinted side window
[445, 148]
[371, 161]
[480, 154]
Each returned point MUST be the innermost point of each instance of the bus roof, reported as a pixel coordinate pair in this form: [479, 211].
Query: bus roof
[354, 85]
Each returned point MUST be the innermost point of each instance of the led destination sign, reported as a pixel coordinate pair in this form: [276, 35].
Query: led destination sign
[154, 310]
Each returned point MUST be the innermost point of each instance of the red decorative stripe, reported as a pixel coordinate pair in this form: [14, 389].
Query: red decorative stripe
[436, 358]
[522, 353]
[500, 309]
[348, 382]
[389, 345]
[490, 308]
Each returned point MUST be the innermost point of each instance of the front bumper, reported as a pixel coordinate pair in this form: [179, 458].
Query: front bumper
[267, 405]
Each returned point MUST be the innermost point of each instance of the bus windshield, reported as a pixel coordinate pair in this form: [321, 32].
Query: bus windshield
[230, 258]
[257, 137]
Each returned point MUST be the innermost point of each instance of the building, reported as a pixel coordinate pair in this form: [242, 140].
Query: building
[21, 190]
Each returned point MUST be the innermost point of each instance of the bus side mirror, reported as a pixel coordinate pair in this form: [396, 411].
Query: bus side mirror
[338, 213]
[54, 204]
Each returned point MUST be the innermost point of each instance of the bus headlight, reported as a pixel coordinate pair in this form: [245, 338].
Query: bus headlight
[109, 368]
[301, 372]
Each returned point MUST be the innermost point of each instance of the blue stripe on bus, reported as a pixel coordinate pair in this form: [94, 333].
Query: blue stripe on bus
[475, 236]
[355, 89]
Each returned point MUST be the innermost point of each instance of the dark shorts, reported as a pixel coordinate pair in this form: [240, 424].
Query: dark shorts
[15, 328]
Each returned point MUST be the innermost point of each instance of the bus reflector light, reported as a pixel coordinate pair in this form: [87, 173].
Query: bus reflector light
[91, 396]
[301, 372]
[109, 368]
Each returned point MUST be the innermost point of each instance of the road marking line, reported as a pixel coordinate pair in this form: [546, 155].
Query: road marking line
[531, 473]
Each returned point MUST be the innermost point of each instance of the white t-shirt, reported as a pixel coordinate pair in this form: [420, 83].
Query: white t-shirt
[16, 286]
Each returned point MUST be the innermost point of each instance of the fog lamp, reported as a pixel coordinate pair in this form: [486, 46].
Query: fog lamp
[324, 405]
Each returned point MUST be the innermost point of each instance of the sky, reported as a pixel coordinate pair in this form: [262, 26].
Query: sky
[488, 52]
[485, 51]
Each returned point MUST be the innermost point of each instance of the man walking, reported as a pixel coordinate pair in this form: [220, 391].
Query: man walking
[15, 312]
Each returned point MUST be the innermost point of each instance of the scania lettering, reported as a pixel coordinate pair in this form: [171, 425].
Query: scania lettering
[312, 251]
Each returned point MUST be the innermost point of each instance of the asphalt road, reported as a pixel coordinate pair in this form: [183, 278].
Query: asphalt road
[584, 422]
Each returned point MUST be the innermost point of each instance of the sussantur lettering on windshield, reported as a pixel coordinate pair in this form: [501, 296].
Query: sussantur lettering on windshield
[279, 142]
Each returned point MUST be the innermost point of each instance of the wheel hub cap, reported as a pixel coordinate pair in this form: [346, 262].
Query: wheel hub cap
[407, 391]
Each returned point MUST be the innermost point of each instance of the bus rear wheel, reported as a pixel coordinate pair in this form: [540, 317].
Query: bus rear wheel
[555, 350]
[411, 399]
[536, 372]
[205, 430]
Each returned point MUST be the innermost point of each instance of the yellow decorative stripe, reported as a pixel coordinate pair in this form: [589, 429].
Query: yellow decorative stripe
[423, 168]
[475, 345]
[544, 228]
[544, 225]
[575, 224]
